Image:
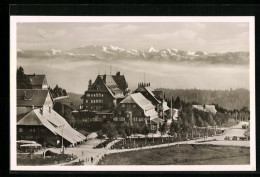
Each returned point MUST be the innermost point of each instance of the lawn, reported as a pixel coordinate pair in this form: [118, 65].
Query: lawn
[184, 155]
[25, 159]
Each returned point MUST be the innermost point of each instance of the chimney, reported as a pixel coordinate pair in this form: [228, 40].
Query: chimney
[32, 106]
[118, 73]
[33, 74]
[50, 109]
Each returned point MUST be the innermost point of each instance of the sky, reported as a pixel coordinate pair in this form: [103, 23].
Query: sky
[194, 36]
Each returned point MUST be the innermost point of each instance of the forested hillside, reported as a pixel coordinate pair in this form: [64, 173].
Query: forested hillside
[228, 99]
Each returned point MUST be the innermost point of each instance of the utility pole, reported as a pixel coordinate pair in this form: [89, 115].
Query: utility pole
[144, 77]
[110, 69]
[62, 139]
[171, 108]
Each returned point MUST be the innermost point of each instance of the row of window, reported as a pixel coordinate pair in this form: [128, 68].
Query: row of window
[32, 130]
[128, 105]
[100, 118]
[134, 113]
[138, 119]
[118, 119]
[95, 101]
[96, 119]
[96, 107]
[95, 95]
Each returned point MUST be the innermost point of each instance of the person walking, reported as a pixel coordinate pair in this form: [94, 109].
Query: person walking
[92, 159]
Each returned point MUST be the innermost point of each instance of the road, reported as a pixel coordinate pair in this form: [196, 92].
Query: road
[235, 130]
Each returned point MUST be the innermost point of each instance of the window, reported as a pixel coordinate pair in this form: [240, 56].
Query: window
[20, 130]
[96, 119]
[128, 105]
[88, 95]
[86, 101]
[102, 95]
[141, 119]
[115, 119]
[104, 116]
[153, 127]
[134, 105]
[121, 119]
[135, 119]
[123, 105]
[32, 130]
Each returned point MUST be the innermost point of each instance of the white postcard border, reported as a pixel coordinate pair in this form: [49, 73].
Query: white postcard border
[13, 66]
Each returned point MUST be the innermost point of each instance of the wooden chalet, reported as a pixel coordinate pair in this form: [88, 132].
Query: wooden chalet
[47, 127]
[135, 108]
[38, 81]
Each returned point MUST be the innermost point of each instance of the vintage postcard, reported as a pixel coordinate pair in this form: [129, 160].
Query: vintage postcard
[132, 93]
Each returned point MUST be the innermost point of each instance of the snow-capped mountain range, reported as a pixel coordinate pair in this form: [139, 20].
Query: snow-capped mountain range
[117, 53]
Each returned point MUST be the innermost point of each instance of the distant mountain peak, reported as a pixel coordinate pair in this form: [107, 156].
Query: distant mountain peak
[114, 52]
[152, 49]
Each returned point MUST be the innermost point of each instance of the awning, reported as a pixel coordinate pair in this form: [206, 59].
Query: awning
[31, 145]
[157, 120]
[26, 142]
[151, 113]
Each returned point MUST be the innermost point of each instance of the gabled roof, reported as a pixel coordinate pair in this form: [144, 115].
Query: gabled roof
[52, 121]
[148, 90]
[113, 83]
[37, 79]
[120, 81]
[139, 99]
[29, 97]
[143, 103]
[29, 119]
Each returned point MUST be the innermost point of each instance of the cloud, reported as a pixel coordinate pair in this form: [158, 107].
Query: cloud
[210, 37]
[180, 34]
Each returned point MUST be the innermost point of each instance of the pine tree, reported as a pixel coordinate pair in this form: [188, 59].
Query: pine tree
[177, 103]
[22, 79]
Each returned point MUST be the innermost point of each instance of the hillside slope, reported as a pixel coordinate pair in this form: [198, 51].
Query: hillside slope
[75, 98]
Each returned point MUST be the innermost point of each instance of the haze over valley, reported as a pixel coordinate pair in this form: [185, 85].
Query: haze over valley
[165, 68]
